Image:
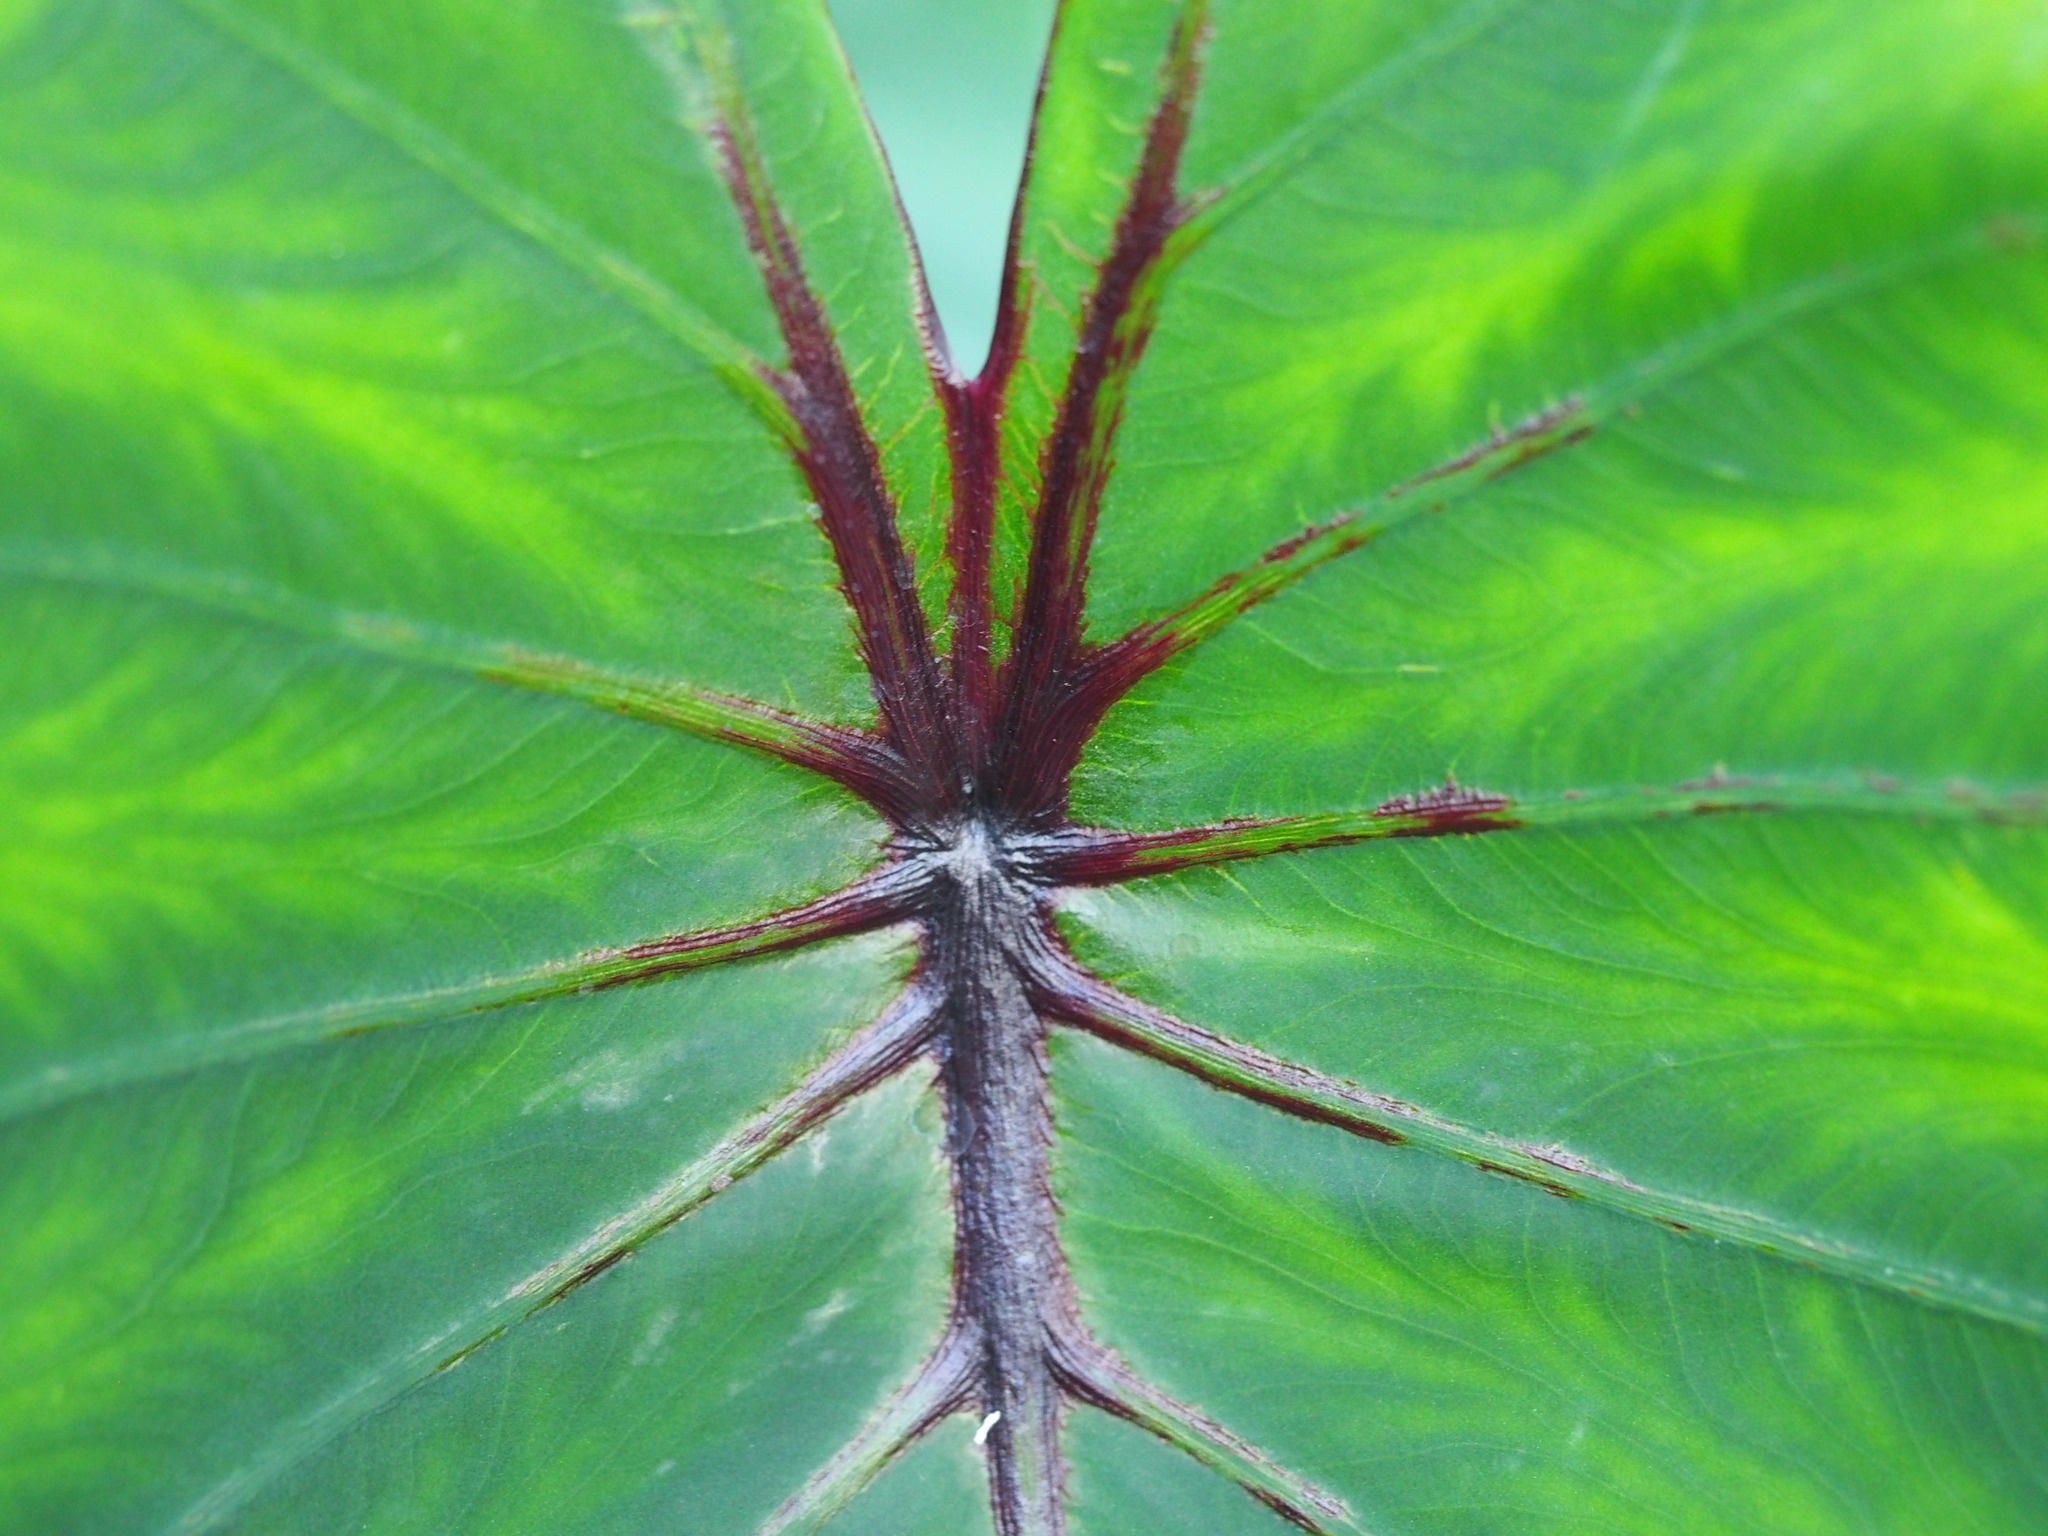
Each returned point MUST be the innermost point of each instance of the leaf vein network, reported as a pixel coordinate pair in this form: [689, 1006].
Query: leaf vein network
[969, 764]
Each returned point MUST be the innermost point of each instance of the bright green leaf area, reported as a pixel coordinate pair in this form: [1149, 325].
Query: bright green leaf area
[466, 346]
[348, 351]
[1443, 217]
[226, 825]
[1753, 562]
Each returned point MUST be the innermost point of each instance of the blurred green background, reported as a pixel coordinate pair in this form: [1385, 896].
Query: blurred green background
[949, 84]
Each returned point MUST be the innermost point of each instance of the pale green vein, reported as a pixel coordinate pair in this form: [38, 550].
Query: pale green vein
[2004, 235]
[1265, 170]
[719, 717]
[941, 1386]
[435, 152]
[173, 1055]
[1655, 77]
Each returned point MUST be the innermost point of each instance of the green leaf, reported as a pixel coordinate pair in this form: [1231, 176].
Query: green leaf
[1471, 956]
[1462, 1354]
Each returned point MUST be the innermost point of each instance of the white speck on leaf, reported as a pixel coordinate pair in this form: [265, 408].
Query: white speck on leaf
[831, 1307]
[657, 1330]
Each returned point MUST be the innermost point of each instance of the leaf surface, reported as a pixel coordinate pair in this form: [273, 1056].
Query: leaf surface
[1517, 1359]
[1545, 506]
[1790, 305]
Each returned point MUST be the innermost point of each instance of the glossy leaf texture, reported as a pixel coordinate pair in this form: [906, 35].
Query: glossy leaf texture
[1598, 830]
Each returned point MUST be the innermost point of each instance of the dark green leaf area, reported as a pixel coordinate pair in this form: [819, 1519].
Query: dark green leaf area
[688, 1388]
[1831, 1022]
[257, 1269]
[235, 831]
[280, 312]
[936, 1488]
[1123, 1480]
[1470, 1355]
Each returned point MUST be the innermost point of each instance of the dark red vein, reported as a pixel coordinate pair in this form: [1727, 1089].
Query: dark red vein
[1506, 449]
[1107, 856]
[856, 759]
[1127, 660]
[1104, 674]
[1087, 856]
[971, 411]
[890, 894]
[842, 465]
[973, 434]
[1116, 324]
[974, 421]
[1068, 991]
